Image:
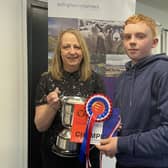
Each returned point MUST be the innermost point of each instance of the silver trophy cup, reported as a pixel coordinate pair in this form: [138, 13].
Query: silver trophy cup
[64, 147]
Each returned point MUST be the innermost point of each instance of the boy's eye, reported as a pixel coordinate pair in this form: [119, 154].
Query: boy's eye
[136, 36]
[140, 35]
[127, 37]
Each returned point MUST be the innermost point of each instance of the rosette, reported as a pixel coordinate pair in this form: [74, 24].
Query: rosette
[99, 108]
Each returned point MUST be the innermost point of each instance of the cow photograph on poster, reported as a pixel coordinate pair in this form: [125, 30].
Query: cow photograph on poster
[104, 40]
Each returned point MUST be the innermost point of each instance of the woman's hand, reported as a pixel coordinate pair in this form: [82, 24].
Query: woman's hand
[45, 114]
[53, 99]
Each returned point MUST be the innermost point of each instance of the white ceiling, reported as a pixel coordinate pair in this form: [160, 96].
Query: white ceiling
[160, 4]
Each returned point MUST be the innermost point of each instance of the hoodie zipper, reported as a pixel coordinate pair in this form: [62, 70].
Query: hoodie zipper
[132, 88]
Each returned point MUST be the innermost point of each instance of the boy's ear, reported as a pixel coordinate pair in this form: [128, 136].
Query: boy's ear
[155, 42]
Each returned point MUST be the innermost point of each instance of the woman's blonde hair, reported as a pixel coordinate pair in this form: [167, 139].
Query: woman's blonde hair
[144, 19]
[56, 67]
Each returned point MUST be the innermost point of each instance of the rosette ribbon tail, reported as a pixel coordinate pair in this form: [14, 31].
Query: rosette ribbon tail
[85, 146]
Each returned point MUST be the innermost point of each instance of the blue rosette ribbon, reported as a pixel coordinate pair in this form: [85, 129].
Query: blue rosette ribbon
[99, 108]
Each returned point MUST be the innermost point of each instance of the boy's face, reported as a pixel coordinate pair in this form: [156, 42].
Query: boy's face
[138, 41]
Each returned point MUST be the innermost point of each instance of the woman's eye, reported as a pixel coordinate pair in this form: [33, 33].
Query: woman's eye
[66, 47]
[77, 47]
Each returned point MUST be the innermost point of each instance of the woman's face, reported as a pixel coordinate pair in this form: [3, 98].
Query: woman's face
[71, 52]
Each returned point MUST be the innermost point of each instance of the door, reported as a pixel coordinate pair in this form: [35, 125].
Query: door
[37, 27]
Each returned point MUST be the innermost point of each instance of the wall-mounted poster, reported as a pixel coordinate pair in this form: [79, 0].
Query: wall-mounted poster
[104, 39]
[101, 23]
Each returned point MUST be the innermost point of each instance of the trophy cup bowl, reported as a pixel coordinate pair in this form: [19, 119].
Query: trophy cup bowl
[64, 147]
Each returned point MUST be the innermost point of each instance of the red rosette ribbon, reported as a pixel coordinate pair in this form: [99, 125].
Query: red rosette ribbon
[99, 108]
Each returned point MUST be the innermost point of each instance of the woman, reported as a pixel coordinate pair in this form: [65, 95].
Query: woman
[70, 74]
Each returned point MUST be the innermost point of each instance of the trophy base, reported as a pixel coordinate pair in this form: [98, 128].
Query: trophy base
[64, 153]
[64, 147]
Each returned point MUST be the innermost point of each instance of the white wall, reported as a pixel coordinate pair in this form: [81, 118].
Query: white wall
[154, 12]
[160, 16]
[13, 85]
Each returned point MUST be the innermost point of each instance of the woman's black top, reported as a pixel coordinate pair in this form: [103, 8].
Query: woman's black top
[70, 85]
